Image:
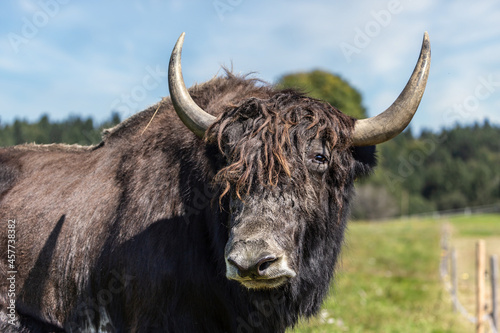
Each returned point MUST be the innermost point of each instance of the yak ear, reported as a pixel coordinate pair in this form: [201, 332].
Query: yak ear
[365, 160]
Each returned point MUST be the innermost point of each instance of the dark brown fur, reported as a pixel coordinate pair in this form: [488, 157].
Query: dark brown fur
[129, 226]
[274, 121]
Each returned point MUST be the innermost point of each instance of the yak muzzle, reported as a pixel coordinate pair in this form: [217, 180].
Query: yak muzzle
[256, 265]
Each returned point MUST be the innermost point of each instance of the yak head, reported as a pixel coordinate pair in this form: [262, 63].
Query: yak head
[291, 162]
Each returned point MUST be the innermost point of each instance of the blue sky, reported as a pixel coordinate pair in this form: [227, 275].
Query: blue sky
[63, 57]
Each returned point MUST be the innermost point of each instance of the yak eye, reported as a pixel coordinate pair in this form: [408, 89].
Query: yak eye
[320, 158]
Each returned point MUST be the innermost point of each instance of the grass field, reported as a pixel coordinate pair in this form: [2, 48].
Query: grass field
[388, 279]
[464, 233]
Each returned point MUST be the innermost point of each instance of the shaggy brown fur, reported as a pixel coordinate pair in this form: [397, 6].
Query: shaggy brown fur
[273, 122]
[122, 236]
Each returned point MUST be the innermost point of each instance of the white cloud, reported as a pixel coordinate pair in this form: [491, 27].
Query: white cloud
[27, 6]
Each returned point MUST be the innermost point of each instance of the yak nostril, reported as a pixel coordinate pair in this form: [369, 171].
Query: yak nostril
[235, 264]
[254, 268]
[264, 264]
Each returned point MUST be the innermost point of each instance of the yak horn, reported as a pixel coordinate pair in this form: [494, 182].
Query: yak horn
[194, 117]
[394, 120]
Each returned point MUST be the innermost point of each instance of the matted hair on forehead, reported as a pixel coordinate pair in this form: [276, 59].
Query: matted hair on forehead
[260, 136]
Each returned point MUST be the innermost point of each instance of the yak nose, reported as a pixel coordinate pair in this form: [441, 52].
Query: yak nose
[256, 264]
[253, 267]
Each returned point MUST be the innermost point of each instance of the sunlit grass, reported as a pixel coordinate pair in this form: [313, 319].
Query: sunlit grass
[389, 280]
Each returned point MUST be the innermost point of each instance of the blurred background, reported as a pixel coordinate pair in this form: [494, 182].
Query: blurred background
[69, 69]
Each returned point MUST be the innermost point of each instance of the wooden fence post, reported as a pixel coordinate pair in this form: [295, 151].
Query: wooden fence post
[454, 279]
[480, 285]
[494, 291]
[445, 255]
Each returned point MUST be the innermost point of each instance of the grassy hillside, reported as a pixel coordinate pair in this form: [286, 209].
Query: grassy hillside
[389, 280]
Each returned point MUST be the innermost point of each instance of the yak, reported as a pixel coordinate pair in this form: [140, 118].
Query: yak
[220, 209]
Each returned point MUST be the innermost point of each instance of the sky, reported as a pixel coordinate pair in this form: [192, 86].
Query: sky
[90, 58]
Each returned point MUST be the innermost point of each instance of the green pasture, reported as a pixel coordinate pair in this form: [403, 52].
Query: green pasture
[388, 279]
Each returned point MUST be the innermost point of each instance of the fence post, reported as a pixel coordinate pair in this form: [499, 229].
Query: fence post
[494, 291]
[454, 279]
[444, 252]
[480, 285]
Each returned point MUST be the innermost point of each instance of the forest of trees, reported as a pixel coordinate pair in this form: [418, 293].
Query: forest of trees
[74, 130]
[455, 168]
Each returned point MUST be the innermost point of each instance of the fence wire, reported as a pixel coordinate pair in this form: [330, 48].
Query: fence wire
[444, 272]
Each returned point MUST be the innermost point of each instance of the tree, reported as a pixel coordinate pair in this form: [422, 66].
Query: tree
[18, 133]
[329, 88]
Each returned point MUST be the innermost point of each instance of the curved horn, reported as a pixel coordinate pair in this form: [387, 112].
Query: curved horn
[194, 117]
[394, 120]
